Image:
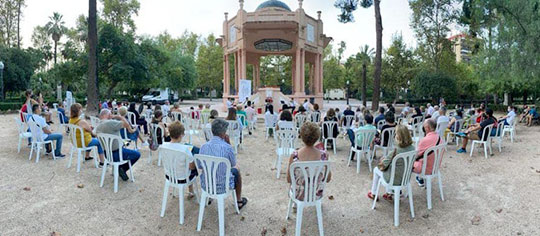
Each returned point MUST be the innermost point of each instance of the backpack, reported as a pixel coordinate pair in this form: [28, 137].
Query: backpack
[151, 144]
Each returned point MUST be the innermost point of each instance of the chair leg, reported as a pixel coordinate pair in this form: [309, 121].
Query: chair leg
[79, 160]
[31, 151]
[376, 194]
[221, 216]
[131, 172]
[350, 157]
[181, 203]
[149, 156]
[115, 173]
[19, 146]
[164, 199]
[320, 218]
[299, 212]
[428, 191]
[38, 153]
[103, 173]
[278, 166]
[289, 208]
[396, 207]
[411, 203]
[439, 178]
[202, 205]
[485, 150]
[472, 148]
[358, 160]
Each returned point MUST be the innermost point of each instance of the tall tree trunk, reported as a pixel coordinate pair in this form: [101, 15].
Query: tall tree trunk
[55, 47]
[19, 24]
[364, 85]
[92, 87]
[378, 57]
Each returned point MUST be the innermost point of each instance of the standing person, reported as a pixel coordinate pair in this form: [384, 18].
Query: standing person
[404, 143]
[88, 133]
[138, 119]
[310, 134]
[219, 146]
[476, 131]
[45, 131]
[112, 125]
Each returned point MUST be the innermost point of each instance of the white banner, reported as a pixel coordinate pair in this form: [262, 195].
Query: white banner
[245, 90]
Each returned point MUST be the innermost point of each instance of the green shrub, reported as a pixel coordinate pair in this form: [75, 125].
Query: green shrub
[4, 106]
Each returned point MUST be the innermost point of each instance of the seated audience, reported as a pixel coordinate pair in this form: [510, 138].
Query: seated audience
[330, 116]
[45, 131]
[403, 144]
[112, 125]
[132, 135]
[285, 121]
[390, 123]
[533, 114]
[431, 139]
[475, 131]
[351, 132]
[310, 134]
[219, 146]
[138, 119]
[508, 119]
[88, 133]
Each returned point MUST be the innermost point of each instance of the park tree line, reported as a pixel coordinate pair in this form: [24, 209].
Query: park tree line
[502, 35]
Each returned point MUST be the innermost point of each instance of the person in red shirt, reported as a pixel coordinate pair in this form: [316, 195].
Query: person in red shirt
[431, 139]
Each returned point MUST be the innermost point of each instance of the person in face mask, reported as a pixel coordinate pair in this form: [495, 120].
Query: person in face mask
[509, 118]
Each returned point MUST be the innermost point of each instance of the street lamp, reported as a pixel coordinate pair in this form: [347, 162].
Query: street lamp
[1, 81]
[348, 92]
[283, 85]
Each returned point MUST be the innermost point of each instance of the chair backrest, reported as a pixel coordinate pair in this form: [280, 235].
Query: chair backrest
[233, 130]
[205, 117]
[299, 120]
[361, 122]
[418, 119]
[437, 152]
[313, 175]
[110, 143]
[154, 131]
[288, 125]
[388, 133]
[242, 118]
[367, 138]
[194, 115]
[408, 159]
[458, 125]
[215, 171]
[400, 120]
[175, 163]
[24, 116]
[348, 121]
[329, 127]
[189, 124]
[94, 121]
[487, 133]
[207, 133]
[20, 125]
[35, 130]
[499, 129]
[270, 120]
[417, 130]
[61, 118]
[380, 124]
[74, 131]
[315, 117]
[285, 141]
[132, 119]
[472, 120]
[441, 127]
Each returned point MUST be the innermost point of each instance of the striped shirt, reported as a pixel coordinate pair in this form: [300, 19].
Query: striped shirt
[219, 148]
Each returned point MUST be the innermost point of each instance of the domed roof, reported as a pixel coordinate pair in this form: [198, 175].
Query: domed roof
[273, 3]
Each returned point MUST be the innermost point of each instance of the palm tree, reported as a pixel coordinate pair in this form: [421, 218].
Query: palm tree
[366, 53]
[55, 28]
[349, 6]
[92, 86]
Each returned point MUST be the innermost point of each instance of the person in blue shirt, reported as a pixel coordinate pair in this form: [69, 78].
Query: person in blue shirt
[533, 114]
[380, 116]
[63, 111]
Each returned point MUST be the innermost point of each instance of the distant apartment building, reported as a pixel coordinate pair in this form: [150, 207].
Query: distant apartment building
[461, 47]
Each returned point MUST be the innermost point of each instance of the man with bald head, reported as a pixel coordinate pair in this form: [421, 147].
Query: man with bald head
[112, 125]
[430, 140]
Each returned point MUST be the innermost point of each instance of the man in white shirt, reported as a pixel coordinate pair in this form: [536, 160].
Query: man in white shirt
[45, 132]
[435, 115]
[430, 109]
[229, 103]
[406, 109]
[292, 104]
[509, 118]
[442, 116]
[165, 108]
[306, 105]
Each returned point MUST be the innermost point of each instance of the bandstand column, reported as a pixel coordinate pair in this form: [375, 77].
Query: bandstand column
[243, 65]
[302, 87]
[226, 75]
[298, 73]
[316, 75]
[321, 75]
[236, 72]
[293, 75]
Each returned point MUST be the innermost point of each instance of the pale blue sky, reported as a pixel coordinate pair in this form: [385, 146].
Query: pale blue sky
[206, 16]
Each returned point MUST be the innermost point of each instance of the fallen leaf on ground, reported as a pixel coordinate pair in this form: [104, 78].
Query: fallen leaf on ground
[331, 197]
[141, 190]
[242, 218]
[55, 234]
[498, 210]
[247, 174]
[273, 169]
[80, 185]
[470, 161]
[425, 216]
[284, 231]
[476, 220]
[263, 232]
[361, 230]
[26, 188]
[532, 168]
[538, 171]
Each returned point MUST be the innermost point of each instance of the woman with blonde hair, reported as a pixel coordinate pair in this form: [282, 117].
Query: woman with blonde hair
[122, 111]
[403, 143]
[87, 135]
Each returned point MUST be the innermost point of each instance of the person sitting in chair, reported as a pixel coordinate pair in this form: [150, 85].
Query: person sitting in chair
[45, 131]
[475, 131]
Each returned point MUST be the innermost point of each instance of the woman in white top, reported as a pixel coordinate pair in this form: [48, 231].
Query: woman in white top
[285, 121]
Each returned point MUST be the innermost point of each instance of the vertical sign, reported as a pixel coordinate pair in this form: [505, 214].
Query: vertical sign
[245, 90]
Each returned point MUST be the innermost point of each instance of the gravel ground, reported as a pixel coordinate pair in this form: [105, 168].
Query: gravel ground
[495, 196]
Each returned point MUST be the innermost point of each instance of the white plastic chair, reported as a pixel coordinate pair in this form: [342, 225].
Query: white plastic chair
[438, 152]
[207, 133]
[37, 141]
[380, 124]
[299, 120]
[386, 133]
[234, 132]
[329, 127]
[458, 126]
[315, 117]
[498, 136]
[284, 147]
[132, 119]
[418, 119]
[176, 116]
[205, 118]
[511, 129]
[408, 159]
[441, 128]
[109, 142]
[313, 176]
[176, 171]
[485, 140]
[270, 124]
[94, 121]
[80, 149]
[212, 186]
[23, 134]
[155, 139]
[190, 126]
[252, 120]
[362, 150]
[61, 120]
[243, 118]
